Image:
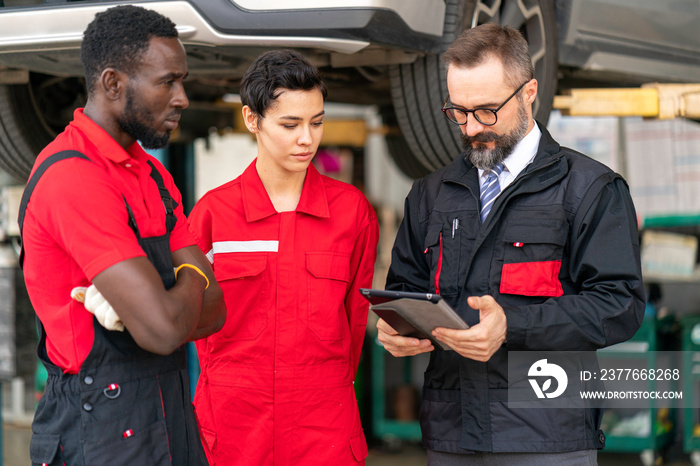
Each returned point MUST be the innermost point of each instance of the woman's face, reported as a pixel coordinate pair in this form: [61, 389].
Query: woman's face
[290, 131]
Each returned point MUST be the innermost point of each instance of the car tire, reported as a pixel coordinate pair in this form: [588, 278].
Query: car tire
[418, 89]
[398, 147]
[31, 115]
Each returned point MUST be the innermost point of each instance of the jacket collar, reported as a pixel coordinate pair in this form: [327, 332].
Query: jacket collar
[548, 148]
[257, 203]
[550, 164]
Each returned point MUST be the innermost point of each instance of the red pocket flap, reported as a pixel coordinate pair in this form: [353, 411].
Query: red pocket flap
[358, 445]
[532, 279]
[332, 265]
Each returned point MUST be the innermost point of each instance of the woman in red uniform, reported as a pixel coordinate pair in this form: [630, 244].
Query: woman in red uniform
[290, 248]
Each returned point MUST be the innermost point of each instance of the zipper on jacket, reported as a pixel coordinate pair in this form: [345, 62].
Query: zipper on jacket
[439, 268]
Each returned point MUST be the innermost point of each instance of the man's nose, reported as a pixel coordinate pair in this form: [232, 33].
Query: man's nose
[180, 99]
[472, 127]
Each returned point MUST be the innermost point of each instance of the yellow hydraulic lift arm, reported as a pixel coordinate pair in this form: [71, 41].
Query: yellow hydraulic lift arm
[653, 100]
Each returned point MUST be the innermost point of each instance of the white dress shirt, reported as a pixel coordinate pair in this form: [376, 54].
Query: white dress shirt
[523, 154]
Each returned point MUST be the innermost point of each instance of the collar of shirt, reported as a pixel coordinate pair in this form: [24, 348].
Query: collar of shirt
[106, 145]
[257, 203]
[523, 154]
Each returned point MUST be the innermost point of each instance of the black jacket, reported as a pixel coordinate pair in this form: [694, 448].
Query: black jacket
[559, 252]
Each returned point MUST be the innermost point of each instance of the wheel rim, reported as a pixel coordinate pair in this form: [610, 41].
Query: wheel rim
[525, 16]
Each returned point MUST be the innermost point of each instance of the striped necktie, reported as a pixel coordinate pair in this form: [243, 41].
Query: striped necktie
[490, 190]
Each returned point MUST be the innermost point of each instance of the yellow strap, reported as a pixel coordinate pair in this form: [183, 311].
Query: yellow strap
[195, 268]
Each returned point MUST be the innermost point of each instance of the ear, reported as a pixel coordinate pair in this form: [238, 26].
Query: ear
[250, 119]
[530, 91]
[111, 83]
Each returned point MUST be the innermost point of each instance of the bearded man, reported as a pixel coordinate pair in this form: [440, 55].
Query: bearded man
[534, 245]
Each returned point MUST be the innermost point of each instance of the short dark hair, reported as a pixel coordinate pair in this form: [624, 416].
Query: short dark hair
[476, 45]
[274, 70]
[119, 37]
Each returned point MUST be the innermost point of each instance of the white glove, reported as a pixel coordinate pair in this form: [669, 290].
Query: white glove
[98, 305]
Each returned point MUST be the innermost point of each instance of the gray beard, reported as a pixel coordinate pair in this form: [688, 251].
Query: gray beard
[484, 158]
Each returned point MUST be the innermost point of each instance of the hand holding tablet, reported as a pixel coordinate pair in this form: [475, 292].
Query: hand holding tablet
[414, 314]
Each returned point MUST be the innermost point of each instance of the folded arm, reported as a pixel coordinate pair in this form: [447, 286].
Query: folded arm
[161, 320]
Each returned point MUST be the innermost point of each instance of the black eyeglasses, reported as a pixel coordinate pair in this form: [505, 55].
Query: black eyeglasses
[485, 116]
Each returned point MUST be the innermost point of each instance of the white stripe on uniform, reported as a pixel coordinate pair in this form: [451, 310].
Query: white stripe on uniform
[242, 246]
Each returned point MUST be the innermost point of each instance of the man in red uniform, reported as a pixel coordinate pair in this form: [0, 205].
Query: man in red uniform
[290, 248]
[99, 212]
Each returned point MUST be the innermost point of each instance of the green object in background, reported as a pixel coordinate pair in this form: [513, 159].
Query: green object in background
[695, 334]
[40, 376]
[384, 427]
[359, 385]
[193, 369]
[690, 341]
[651, 430]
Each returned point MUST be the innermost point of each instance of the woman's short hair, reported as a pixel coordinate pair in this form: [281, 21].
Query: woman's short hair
[276, 70]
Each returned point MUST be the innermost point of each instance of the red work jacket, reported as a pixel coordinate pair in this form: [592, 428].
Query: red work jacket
[276, 385]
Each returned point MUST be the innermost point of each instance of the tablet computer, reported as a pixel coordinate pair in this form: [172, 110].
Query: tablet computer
[383, 296]
[414, 314]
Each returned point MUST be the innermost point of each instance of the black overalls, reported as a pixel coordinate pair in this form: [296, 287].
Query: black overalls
[126, 406]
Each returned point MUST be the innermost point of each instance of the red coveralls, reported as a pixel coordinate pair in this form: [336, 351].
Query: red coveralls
[276, 385]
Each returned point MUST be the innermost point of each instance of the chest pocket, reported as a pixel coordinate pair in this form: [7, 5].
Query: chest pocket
[448, 247]
[245, 279]
[532, 257]
[328, 280]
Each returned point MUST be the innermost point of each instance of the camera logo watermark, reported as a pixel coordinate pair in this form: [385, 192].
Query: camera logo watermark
[590, 379]
[542, 370]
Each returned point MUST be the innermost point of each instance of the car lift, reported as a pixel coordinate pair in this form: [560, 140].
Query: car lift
[652, 100]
